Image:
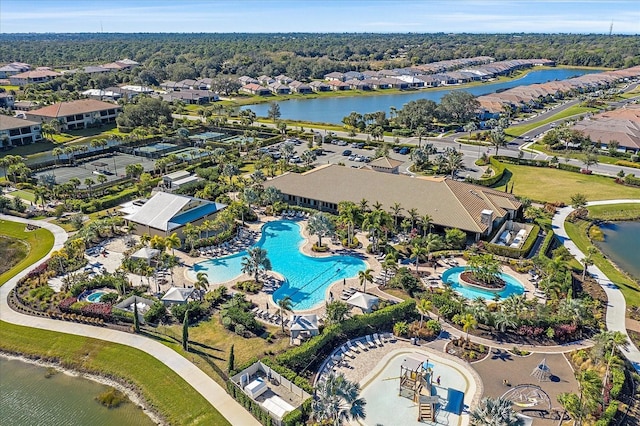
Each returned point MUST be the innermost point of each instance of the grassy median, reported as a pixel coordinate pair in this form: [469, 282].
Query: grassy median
[39, 242]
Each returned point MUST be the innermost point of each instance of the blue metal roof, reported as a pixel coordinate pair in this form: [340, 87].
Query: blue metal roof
[194, 214]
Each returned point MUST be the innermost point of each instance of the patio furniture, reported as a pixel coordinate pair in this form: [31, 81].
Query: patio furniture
[370, 342]
[376, 339]
[361, 345]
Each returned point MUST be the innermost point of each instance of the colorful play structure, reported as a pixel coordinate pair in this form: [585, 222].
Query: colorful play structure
[416, 384]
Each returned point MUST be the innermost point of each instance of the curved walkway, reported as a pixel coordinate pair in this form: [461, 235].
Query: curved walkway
[616, 305]
[203, 384]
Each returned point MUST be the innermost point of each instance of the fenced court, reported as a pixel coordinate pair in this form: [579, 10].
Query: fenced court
[192, 153]
[156, 150]
[111, 166]
[204, 137]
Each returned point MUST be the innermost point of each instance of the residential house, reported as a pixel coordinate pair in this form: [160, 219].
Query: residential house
[283, 79]
[13, 69]
[122, 65]
[265, 80]
[358, 84]
[191, 97]
[319, 86]
[78, 114]
[25, 105]
[6, 100]
[338, 85]
[334, 76]
[255, 89]
[17, 131]
[351, 75]
[245, 79]
[33, 77]
[279, 88]
[299, 87]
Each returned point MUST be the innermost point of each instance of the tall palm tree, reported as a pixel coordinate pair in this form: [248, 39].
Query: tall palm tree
[255, 261]
[201, 284]
[588, 260]
[337, 401]
[413, 216]
[417, 251]
[365, 277]
[284, 305]
[468, 323]
[395, 210]
[610, 339]
[172, 242]
[423, 306]
[426, 222]
[495, 412]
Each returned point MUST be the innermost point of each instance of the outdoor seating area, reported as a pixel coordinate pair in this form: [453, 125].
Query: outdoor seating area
[272, 318]
[383, 277]
[294, 214]
[244, 240]
[342, 356]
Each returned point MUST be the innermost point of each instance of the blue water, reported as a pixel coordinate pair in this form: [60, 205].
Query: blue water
[95, 296]
[452, 276]
[306, 278]
[621, 245]
[334, 109]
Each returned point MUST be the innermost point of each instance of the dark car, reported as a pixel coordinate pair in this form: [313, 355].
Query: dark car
[404, 151]
[346, 152]
[396, 149]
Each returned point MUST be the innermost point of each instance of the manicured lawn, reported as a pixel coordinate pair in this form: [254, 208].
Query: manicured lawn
[604, 159]
[40, 242]
[627, 211]
[547, 184]
[629, 288]
[211, 343]
[163, 389]
[25, 195]
[32, 148]
[523, 128]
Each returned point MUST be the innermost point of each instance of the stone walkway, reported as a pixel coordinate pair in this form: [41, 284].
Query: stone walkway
[616, 305]
[203, 384]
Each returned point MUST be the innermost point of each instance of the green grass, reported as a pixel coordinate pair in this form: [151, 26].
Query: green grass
[629, 288]
[32, 148]
[39, 241]
[628, 211]
[515, 131]
[25, 195]
[162, 388]
[547, 184]
[604, 159]
[9, 87]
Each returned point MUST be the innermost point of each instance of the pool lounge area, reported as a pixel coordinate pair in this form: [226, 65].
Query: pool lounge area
[306, 279]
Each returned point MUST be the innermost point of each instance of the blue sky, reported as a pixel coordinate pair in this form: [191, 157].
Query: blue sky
[474, 16]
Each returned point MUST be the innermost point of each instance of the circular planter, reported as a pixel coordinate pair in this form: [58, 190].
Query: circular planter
[465, 279]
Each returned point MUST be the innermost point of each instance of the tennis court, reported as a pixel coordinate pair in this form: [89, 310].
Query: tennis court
[155, 150]
[192, 153]
[112, 167]
[201, 138]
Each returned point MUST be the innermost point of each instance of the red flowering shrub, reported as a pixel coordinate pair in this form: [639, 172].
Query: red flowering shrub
[100, 310]
[65, 305]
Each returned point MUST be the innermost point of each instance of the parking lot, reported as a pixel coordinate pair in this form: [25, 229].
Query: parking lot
[350, 154]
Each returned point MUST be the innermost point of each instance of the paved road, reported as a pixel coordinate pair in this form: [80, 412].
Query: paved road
[203, 384]
[616, 306]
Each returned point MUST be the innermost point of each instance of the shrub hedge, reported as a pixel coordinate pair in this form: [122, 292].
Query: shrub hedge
[546, 243]
[632, 180]
[627, 164]
[108, 201]
[253, 407]
[515, 253]
[498, 169]
[313, 351]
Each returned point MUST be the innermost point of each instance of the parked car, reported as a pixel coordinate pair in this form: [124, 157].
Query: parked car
[275, 155]
[342, 143]
[346, 152]
[360, 145]
[396, 149]
[352, 157]
[404, 150]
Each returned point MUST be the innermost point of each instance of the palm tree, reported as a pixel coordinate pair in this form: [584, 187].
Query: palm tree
[320, 225]
[498, 139]
[285, 305]
[426, 223]
[495, 412]
[88, 182]
[395, 210]
[365, 277]
[417, 251]
[201, 284]
[454, 162]
[337, 401]
[423, 306]
[413, 216]
[390, 264]
[613, 339]
[468, 323]
[172, 242]
[255, 261]
[336, 312]
[57, 152]
[470, 127]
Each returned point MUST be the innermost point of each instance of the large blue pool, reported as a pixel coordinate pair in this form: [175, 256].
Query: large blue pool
[306, 278]
[452, 275]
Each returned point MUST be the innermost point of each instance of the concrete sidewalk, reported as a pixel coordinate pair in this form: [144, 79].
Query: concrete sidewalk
[616, 305]
[203, 384]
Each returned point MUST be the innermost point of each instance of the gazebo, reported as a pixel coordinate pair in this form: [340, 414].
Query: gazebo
[177, 295]
[542, 372]
[364, 301]
[303, 326]
[146, 253]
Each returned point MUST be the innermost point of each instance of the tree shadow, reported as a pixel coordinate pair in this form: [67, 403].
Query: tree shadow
[202, 345]
[501, 355]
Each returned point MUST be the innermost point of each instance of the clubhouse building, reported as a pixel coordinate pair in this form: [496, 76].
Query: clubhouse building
[475, 209]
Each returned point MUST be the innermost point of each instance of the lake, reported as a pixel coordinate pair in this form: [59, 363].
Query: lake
[334, 109]
[28, 398]
[622, 245]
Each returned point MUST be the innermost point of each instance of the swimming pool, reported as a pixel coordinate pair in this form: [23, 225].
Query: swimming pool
[452, 275]
[306, 278]
[94, 297]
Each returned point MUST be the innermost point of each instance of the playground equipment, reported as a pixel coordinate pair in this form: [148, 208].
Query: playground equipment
[415, 384]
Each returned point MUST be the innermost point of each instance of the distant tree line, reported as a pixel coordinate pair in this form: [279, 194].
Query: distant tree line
[301, 56]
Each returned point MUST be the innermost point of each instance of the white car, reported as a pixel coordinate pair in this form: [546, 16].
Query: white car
[342, 143]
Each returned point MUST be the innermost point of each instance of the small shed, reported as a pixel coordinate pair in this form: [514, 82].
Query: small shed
[177, 295]
[142, 304]
[303, 326]
[364, 301]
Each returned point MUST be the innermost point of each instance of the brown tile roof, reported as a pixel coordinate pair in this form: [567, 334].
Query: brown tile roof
[7, 122]
[81, 106]
[37, 74]
[450, 203]
[386, 162]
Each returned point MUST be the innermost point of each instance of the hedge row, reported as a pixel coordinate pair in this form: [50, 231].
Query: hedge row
[512, 252]
[109, 201]
[310, 354]
[546, 244]
[253, 407]
[498, 169]
[628, 164]
[632, 180]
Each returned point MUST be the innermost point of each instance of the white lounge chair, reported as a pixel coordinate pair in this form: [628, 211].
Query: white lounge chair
[370, 342]
[347, 352]
[376, 339]
[353, 347]
[361, 345]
